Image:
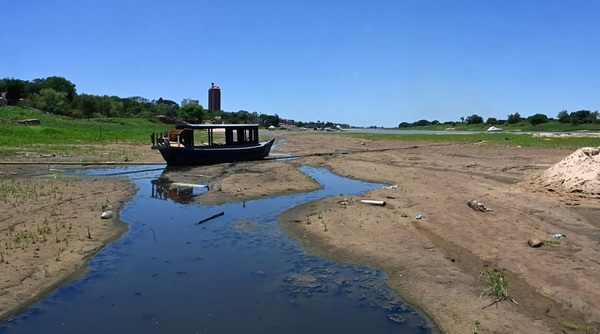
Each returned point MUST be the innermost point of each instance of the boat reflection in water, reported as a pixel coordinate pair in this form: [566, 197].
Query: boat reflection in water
[163, 188]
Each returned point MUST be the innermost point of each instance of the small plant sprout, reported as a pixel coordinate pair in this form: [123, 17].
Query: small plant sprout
[497, 287]
[89, 232]
[105, 204]
[570, 325]
[11, 228]
[550, 242]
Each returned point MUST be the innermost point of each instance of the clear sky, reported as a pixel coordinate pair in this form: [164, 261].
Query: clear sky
[364, 63]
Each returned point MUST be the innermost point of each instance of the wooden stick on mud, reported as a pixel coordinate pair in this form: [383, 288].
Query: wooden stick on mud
[211, 217]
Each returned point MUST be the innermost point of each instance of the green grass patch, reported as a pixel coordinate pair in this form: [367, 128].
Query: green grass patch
[570, 325]
[59, 130]
[550, 242]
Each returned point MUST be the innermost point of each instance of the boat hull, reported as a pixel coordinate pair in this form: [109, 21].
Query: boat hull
[215, 154]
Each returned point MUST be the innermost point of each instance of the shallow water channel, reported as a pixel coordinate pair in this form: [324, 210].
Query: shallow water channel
[237, 273]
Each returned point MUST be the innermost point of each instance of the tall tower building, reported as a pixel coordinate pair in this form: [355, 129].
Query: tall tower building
[214, 97]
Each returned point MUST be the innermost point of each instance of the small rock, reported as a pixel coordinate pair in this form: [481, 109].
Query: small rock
[107, 214]
[534, 242]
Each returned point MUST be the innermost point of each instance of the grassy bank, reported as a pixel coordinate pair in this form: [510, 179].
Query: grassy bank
[89, 137]
[62, 135]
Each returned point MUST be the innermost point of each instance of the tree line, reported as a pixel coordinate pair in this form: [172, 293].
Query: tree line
[576, 118]
[58, 95]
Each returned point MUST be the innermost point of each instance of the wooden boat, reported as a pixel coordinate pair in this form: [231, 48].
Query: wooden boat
[222, 143]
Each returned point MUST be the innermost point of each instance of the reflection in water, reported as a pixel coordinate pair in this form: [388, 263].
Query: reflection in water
[164, 188]
[237, 273]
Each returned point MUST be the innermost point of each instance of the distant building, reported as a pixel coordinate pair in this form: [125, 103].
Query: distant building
[189, 101]
[214, 97]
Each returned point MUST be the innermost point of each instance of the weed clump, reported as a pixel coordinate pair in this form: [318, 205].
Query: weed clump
[497, 287]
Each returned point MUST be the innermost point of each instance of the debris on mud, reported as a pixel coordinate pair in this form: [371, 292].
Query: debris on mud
[478, 206]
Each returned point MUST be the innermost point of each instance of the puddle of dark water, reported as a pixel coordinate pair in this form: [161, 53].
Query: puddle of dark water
[237, 273]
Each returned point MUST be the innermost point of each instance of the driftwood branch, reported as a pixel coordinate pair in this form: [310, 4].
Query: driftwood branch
[495, 302]
[211, 217]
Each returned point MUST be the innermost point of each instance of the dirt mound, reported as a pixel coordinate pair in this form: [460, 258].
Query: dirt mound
[577, 175]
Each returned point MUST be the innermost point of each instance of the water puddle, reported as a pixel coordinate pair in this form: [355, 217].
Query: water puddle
[236, 273]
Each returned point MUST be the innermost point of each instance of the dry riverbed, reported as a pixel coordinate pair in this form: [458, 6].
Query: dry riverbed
[434, 262]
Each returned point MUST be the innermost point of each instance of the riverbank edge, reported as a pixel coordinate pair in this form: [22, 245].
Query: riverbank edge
[322, 248]
[120, 228]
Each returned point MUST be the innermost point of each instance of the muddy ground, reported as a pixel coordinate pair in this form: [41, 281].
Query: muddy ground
[433, 262]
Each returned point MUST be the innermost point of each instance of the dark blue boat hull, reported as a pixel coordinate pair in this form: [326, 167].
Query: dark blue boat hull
[215, 154]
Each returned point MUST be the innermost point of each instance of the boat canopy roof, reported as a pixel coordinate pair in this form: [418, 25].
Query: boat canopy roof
[216, 126]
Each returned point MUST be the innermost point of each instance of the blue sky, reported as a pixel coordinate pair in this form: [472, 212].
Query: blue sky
[364, 63]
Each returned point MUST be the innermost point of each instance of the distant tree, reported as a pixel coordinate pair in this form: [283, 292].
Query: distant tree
[167, 107]
[117, 106]
[474, 119]
[50, 101]
[87, 105]
[404, 125]
[192, 113]
[462, 119]
[564, 117]
[60, 84]
[219, 116]
[514, 118]
[35, 86]
[105, 106]
[268, 120]
[15, 90]
[491, 121]
[538, 119]
[243, 117]
[584, 116]
[132, 107]
[422, 122]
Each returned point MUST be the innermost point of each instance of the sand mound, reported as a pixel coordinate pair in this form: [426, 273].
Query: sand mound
[578, 175]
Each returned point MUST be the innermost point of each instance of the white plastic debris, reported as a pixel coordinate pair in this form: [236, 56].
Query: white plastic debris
[107, 214]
